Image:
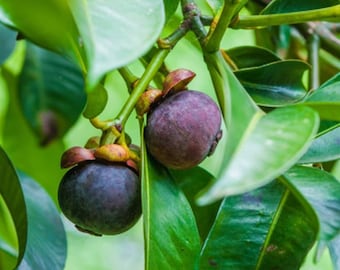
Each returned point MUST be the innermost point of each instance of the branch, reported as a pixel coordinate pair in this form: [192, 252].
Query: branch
[260, 21]
[221, 22]
[328, 40]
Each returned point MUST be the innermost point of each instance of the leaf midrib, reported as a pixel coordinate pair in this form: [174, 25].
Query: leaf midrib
[272, 228]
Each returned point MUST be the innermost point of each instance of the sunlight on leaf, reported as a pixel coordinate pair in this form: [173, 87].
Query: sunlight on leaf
[125, 40]
[273, 145]
[47, 23]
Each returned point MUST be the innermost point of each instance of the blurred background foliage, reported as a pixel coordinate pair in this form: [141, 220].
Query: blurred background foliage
[123, 251]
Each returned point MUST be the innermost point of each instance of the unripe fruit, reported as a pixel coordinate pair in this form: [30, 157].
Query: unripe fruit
[183, 129]
[101, 198]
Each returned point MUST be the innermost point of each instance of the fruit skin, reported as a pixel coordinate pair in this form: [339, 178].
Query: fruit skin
[101, 198]
[182, 130]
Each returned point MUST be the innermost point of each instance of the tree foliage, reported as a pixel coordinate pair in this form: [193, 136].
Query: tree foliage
[268, 194]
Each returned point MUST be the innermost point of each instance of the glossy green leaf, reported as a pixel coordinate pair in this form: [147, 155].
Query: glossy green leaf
[275, 84]
[322, 191]
[51, 92]
[96, 102]
[285, 6]
[134, 27]
[251, 56]
[326, 99]
[20, 143]
[7, 255]
[7, 42]
[11, 192]
[272, 145]
[170, 7]
[262, 229]
[46, 239]
[47, 23]
[334, 250]
[237, 107]
[324, 148]
[191, 181]
[170, 232]
[8, 236]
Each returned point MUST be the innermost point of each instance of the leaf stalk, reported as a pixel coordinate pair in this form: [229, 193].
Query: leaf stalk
[260, 21]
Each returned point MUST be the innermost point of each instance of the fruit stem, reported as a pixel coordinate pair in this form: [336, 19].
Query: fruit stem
[150, 72]
[259, 21]
[103, 125]
[128, 77]
[110, 135]
[165, 45]
[221, 22]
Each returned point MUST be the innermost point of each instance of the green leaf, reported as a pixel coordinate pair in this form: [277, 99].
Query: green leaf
[271, 145]
[47, 23]
[275, 84]
[285, 6]
[171, 235]
[259, 230]
[46, 239]
[96, 102]
[7, 256]
[20, 143]
[324, 148]
[326, 99]
[237, 107]
[7, 41]
[10, 190]
[170, 7]
[191, 181]
[51, 92]
[134, 27]
[334, 249]
[321, 190]
[251, 56]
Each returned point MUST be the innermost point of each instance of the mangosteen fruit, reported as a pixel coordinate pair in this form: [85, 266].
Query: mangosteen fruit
[101, 197]
[183, 129]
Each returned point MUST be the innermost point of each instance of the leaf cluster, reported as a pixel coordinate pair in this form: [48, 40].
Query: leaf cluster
[262, 201]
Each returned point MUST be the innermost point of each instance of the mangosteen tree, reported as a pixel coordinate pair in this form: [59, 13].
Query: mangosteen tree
[211, 125]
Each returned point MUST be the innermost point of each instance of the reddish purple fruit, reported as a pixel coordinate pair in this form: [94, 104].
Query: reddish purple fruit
[183, 129]
[101, 198]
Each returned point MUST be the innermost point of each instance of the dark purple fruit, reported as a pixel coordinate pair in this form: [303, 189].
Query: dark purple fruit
[101, 198]
[183, 129]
